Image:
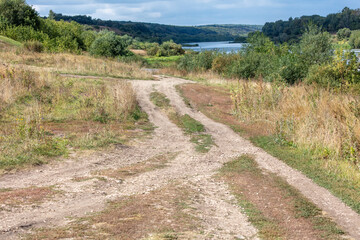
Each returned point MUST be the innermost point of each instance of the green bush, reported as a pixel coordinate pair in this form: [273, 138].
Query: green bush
[315, 46]
[322, 75]
[197, 61]
[34, 46]
[343, 33]
[109, 44]
[354, 40]
[18, 13]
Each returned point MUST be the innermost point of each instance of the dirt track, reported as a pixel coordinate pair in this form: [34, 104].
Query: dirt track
[221, 217]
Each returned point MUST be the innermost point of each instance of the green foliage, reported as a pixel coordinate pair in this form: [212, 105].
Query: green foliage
[10, 41]
[197, 61]
[311, 60]
[170, 48]
[151, 32]
[291, 30]
[109, 44]
[315, 46]
[354, 40]
[18, 13]
[341, 72]
[343, 33]
[166, 49]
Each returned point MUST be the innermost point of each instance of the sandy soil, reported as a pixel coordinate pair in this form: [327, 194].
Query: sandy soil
[216, 207]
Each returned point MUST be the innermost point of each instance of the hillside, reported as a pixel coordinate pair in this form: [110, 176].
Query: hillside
[153, 32]
[291, 30]
[233, 29]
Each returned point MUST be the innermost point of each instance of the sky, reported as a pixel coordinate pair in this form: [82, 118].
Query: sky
[193, 12]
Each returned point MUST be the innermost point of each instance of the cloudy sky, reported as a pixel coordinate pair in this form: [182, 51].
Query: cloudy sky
[193, 12]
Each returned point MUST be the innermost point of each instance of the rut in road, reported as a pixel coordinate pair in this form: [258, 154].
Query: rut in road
[221, 217]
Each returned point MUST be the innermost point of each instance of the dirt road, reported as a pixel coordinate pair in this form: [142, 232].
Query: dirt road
[220, 216]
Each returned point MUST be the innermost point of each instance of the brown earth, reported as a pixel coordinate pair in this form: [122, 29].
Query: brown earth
[212, 205]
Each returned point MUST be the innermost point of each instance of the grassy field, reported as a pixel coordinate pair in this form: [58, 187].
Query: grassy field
[161, 62]
[46, 115]
[10, 41]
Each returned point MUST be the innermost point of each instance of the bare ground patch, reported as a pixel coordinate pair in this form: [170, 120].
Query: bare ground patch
[162, 214]
[25, 196]
[278, 210]
[156, 162]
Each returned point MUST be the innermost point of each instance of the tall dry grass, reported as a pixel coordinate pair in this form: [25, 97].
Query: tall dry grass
[75, 64]
[325, 121]
[29, 100]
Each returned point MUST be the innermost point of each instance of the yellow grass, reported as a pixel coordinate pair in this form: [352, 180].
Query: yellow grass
[304, 115]
[43, 112]
[74, 64]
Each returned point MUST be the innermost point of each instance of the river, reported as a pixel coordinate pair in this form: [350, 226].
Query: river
[220, 46]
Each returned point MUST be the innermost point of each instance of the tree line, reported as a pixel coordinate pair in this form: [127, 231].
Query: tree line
[291, 30]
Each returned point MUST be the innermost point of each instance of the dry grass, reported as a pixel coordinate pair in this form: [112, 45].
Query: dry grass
[23, 196]
[34, 100]
[325, 121]
[267, 116]
[157, 162]
[207, 77]
[75, 64]
[161, 214]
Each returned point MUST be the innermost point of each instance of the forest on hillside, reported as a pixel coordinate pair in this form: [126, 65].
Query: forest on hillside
[291, 30]
[153, 32]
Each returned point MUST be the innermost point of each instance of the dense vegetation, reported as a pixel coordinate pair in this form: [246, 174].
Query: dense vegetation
[152, 32]
[312, 61]
[20, 22]
[291, 30]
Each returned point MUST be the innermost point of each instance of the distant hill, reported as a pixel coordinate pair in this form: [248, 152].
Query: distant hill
[153, 32]
[291, 30]
[233, 29]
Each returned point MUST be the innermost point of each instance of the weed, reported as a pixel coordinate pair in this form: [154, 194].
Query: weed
[160, 100]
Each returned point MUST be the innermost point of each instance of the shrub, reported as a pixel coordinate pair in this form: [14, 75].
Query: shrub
[343, 33]
[197, 61]
[34, 46]
[322, 75]
[354, 40]
[315, 46]
[109, 44]
[170, 48]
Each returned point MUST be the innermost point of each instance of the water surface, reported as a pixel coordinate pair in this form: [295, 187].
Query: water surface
[220, 46]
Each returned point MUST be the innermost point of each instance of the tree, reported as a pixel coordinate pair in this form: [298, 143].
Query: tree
[315, 46]
[343, 33]
[51, 15]
[354, 40]
[109, 44]
[18, 13]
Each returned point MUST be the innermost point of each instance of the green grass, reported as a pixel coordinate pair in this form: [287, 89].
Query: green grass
[312, 167]
[160, 62]
[160, 100]
[189, 125]
[10, 41]
[44, 123]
